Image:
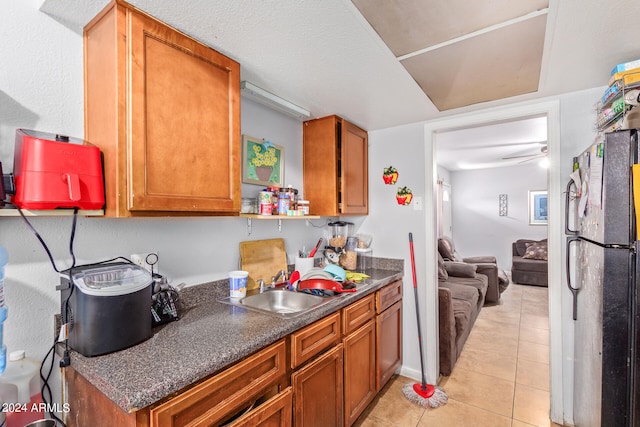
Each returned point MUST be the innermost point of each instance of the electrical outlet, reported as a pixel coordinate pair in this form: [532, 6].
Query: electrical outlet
[144, 259]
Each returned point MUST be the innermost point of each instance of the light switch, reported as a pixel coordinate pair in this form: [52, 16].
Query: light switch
[417, 203]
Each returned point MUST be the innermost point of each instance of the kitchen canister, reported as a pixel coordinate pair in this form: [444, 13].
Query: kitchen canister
[283, 202]
[264, 203]
[238, 283]
[349, 258]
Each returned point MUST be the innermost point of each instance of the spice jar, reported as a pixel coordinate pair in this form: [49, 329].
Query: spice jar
[293, 196]
[303, 207]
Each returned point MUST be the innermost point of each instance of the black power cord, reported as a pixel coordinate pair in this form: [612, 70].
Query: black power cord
[65, 360]
[47, 395]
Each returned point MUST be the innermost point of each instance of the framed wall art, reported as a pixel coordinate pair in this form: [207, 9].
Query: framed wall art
[538, 207]
[262, 162]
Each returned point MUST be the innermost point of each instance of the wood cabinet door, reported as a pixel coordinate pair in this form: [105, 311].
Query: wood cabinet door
[317, 391]
[354, 185]
[388, 344]
[319, 165]
[359, 371]
[183, 122]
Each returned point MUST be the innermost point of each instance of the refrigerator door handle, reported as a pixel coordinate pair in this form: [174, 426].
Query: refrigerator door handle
[574, 291]
[568, 231]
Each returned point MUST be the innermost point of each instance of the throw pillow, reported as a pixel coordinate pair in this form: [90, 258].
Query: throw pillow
[445, 248]
[442, 272]
[460, 269]
[536, 250]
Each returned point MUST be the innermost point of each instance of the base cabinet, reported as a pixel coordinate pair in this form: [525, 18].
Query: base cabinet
[241, 390]
[317, 390]
[388, 344]
[323, 375]
[359, 371]
[388, 332]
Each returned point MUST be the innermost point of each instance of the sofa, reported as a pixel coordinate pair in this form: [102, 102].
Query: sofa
[498, 281]
[529, 262]
[461, 295]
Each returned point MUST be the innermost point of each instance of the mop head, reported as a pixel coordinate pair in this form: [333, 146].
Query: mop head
[426, 396]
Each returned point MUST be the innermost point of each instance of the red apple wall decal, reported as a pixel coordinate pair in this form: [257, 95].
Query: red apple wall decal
[404, 196]
[390, 175]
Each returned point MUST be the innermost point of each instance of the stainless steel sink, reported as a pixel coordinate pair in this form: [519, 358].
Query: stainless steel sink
[279, 302]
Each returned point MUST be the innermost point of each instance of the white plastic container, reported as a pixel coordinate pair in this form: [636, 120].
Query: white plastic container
[238, 283]
[20, 389]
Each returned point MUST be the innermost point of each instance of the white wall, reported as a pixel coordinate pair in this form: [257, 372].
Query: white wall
[41, 87]
[477, 227]
[577, 118]
[391, 223]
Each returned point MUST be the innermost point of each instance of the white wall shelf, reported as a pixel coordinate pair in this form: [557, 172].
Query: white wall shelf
[12, 211]
[280, 218]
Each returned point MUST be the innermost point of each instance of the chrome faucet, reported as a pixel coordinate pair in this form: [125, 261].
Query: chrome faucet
[262, 286]
[280, 277]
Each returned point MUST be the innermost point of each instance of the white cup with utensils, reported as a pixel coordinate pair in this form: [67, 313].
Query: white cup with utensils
[304, 265]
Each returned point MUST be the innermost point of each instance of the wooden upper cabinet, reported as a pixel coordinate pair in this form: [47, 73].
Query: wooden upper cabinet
[335, 167]
[165, 111]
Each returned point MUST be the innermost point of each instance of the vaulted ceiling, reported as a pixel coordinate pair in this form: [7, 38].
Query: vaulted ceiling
[460, 52]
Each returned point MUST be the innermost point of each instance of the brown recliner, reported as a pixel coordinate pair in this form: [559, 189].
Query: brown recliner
[487, 265]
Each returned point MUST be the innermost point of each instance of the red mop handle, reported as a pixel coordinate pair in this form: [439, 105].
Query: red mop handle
[413, 261]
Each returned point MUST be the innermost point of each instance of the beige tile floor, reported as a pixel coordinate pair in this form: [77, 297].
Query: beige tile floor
[500, 379]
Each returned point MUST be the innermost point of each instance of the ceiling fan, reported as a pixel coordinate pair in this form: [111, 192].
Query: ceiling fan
[530, 157]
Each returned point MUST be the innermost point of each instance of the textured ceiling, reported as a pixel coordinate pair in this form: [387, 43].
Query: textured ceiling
[327, 58]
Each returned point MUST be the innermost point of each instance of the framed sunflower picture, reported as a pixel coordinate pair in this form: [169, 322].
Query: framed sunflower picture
[262, 162]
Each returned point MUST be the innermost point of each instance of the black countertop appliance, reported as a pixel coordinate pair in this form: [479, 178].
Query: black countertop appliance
[107, 306]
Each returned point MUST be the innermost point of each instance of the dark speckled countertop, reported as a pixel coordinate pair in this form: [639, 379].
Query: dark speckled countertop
[208, 337]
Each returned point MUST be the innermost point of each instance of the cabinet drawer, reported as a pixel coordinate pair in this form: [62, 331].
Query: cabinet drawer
[388, 295]
[221, 395]
[357, 314]
[315, 338]
[275, 412]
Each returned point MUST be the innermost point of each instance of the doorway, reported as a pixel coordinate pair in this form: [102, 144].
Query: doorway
[485, 177]
[551, 110]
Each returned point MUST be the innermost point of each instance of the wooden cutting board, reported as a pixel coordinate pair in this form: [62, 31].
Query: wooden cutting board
[263, 259]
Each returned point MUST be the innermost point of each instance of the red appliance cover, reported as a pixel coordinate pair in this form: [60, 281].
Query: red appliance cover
[55, 171]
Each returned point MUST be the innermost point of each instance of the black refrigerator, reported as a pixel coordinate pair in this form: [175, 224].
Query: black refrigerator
[602, 266]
